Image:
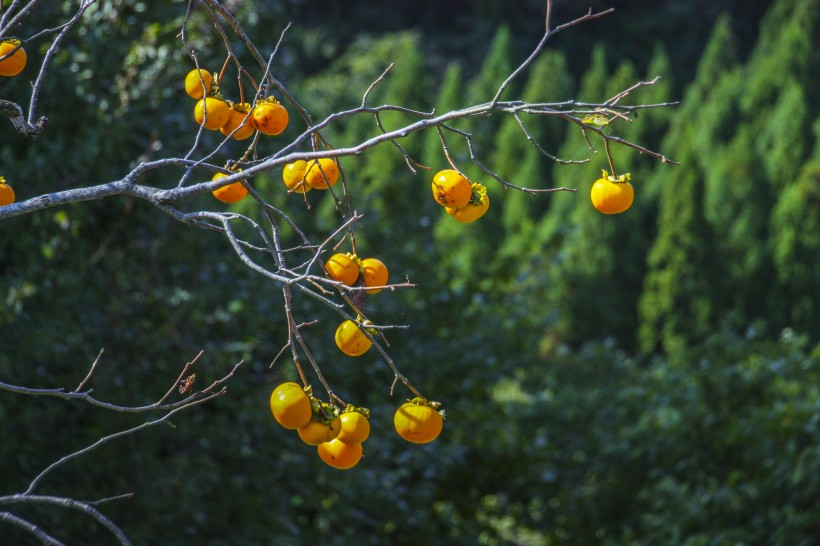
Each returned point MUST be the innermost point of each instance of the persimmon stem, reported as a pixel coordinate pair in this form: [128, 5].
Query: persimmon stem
[223, 69]
[609, 158]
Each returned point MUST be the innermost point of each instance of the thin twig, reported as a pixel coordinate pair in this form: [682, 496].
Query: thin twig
[183, 373]
[90, 372]
[540, 47]
[105, 439]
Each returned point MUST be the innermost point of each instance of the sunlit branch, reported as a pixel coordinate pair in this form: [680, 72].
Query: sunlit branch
[85, 396]
[540, 47]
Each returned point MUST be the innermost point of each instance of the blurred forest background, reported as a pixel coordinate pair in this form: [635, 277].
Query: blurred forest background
[645, 379]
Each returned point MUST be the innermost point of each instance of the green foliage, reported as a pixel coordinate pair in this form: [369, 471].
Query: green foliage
[682, 293]
[795, 248]
[614, 450]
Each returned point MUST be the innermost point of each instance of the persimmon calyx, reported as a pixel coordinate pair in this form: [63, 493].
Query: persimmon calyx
[351, 408]
[616, 179]
[419, 401]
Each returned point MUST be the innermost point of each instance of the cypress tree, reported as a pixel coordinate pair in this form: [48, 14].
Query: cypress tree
[764, 108]
[450, 97]
[518, 161]
[679, 298]
[554, 226]
[386, 187]
[482, 88]
[681, 295]
[496, 67]
[596, 278]
[796, 251]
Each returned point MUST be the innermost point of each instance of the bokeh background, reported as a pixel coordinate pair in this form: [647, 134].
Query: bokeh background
[646, 379]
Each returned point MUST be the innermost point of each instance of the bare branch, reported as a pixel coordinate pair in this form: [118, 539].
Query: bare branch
[105, 439]
[542, 150]
[540, 47]
[33, 529]
[14, 112]
[85, 396]
[90, 372]
[376, 82]
[8, 21]
[64, 502]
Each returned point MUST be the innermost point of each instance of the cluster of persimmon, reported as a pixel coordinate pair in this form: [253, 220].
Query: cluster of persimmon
[351, 270]
[612, 194]
[317, 174]
[339, 434]
[463, 200]
[238, 120]
[6, 193]
[13, 57]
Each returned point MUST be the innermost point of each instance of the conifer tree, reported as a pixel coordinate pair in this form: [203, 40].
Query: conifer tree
[796, 251]
[681, 295]
[496, 67]
[592, 87]
[680, 301]
[760, 124]
[519, 161]
[450, 97]
[597, 276]
[383, 172]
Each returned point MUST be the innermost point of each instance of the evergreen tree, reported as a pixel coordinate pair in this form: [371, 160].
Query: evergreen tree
[517, 160]
[554, 227]
[386, 188]
[681, 296]
[679, 302]
[752, 142]
[482, 88]
[496, 67]
[796, 248]
[450, 97]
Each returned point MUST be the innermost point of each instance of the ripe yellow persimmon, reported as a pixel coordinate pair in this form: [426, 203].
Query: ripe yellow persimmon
[270, 117]
[322, 173]
[290, 405]
[6, 193]
[375, 274]
[230, 193]
[612, 194]
[342, 268]
[320, 431]
[240, 125]
[339, 454]
[355, 426]
[451, 189]
[293, 175]
[198, 83]
[474, 209]
[14, 63]
[217, 110]
[418, 421]
[351, 340]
